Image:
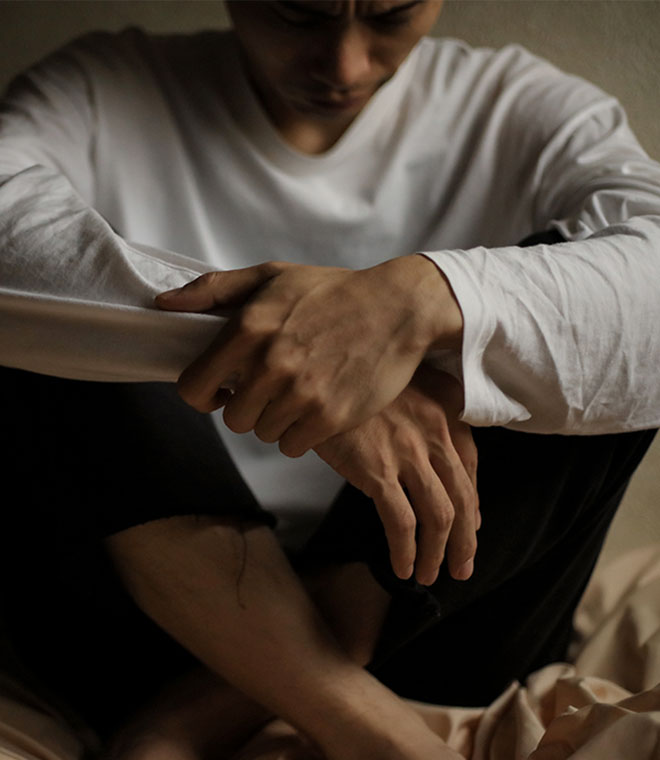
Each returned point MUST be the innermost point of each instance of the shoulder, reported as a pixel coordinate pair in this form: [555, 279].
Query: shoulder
[510, 80]
[509, 98]
[129, 57]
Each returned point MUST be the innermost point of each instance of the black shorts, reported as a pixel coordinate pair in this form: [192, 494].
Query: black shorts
[84, 460]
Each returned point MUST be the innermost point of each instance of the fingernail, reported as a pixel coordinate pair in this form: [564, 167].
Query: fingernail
[465, 570]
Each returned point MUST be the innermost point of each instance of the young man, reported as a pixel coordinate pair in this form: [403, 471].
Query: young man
[333, 137]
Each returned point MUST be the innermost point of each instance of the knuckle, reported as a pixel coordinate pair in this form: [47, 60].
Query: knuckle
[325, 422]
[252, 323]
[271, 268]
[465, 498]
[284, 361]
[441, 519]
[308, 396]
[291, 448]
[265, 435]
[190, 395]
[381, 483]
[466, 551]
[404, 523]
[469, 454]
[471, 463]
[234, 420]
[466, 545]
[206, 280]
[407, 440]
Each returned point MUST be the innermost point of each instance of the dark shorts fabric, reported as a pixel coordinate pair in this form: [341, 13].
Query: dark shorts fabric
[84, 460]
[72, 478]
[546, 503]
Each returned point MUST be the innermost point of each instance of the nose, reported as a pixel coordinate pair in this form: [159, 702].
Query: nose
[344, 63]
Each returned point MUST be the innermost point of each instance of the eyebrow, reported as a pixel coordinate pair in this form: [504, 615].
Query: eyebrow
[296, 5]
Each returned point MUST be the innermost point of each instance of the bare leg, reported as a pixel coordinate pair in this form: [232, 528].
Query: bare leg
[353, 605]
[201, 716]
[198, 717]
[231, 598]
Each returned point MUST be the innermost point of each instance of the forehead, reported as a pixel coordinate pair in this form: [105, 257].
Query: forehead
[350, 8]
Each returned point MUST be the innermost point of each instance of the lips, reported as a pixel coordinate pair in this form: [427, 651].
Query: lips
[338, 102]
[336, 105]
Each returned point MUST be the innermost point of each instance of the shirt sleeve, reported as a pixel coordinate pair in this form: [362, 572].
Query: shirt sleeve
[564, 338]
[76, 300]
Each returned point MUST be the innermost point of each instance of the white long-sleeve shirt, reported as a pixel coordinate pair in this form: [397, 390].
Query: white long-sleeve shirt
[465, 152]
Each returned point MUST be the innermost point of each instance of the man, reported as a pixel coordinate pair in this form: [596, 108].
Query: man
[323, 134]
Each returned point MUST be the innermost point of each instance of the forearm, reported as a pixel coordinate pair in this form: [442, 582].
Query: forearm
[76, 300]
[561, 339]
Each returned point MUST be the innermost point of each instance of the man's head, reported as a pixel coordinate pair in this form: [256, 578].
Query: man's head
[322, 59]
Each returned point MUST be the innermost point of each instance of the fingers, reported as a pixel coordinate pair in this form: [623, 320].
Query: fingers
[429, 522]
[468, 454]
[429, 511]
[234, 360]
[281, 407]
[201, 384]
[309, 431]
[249, 404]
[462, 542]
[423, 523]
[435, 517]
[299, 418]
[460, 484]
[399, 522]
[214, 289]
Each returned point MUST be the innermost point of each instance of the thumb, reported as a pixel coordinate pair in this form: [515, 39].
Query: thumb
[229, 289]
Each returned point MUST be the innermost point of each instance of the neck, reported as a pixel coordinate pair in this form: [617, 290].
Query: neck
[301, 131]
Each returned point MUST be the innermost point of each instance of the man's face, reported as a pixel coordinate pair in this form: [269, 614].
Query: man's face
[322, 60]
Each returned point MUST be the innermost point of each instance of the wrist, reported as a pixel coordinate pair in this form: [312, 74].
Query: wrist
[438, 314]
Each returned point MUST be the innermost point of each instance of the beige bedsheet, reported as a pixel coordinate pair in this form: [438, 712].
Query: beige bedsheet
[604, 706]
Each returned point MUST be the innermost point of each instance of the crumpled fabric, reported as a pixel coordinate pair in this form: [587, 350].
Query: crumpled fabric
[605, 705]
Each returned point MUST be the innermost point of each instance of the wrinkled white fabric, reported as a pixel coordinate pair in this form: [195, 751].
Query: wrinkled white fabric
[463, 153]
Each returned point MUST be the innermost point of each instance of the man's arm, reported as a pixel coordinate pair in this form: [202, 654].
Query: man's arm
[75, 298]
[562, 338]
[314, 351]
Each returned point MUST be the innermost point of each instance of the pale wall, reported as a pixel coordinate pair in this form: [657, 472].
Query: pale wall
[614, 43]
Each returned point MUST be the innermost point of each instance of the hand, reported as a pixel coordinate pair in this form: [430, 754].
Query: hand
[314, 351]
[417, 443]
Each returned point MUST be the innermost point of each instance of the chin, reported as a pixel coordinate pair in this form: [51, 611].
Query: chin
[328, 110]
[321, 113]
